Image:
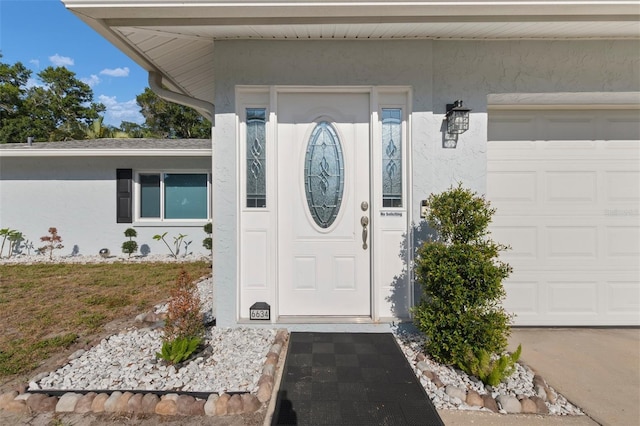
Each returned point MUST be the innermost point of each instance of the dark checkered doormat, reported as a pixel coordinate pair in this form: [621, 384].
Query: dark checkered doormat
[350, 379]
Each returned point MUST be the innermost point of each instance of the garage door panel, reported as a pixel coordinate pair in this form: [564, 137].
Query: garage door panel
[522, 296]
[623, 126]
[553, 297]
[623, 241]
[566, 186]
[623, 297]
[567, 126]
[511, 127]
[572, 241]
[622, 185]
[573, 297]
[555, 151]
[571, 186]
[523, 241]
[513, 186]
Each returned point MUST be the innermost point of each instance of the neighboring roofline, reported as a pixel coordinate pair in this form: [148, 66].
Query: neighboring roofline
[111, 147]
[104, 152]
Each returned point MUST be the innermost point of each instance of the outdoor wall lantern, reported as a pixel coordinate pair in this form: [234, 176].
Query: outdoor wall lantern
[457, 118]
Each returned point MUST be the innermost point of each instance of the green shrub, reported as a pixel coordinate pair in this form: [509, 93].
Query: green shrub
[461, 278]
[129, 247]
[178, 350]
[208, 242]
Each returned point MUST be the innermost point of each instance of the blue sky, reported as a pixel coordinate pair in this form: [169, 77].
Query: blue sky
[42, 33]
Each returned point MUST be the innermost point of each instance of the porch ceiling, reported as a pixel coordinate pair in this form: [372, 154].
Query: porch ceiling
[176, 38]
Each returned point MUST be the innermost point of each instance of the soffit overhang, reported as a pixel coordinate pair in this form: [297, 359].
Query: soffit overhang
[176, 38]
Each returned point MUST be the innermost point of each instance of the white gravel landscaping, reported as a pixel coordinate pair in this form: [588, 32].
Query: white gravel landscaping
[233, 359]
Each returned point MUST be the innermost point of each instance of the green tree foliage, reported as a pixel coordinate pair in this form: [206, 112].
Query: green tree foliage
[62, 107]
[170, 120]
[13, 82]
[135, 130]
[97, 130]
[58, 107]
[461, 277]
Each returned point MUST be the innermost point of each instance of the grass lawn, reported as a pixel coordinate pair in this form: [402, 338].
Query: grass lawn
[47, 307]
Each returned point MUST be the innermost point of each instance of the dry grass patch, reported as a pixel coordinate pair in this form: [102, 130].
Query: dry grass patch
[47, 307]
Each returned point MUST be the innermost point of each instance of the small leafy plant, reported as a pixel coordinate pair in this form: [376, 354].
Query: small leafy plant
[178, 350]
[177, 242]
[53, 242]
[491, 370]
[184, 326]
[129, 247]
[208, 242]
[14, 237]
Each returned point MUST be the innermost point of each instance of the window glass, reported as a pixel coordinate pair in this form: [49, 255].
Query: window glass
[150, 195]
[185, 196]
[256, 158]
[324, 174]
[392, 157]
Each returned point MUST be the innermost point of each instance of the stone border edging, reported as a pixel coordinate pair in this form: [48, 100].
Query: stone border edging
[510, 404]
[164, 403]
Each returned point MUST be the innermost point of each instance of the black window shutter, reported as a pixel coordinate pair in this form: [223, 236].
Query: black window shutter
[124, 196]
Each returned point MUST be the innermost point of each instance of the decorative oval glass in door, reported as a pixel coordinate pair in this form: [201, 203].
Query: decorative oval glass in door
[324, 174]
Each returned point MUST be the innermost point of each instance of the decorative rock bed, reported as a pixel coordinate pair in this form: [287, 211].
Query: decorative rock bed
[449, 388]
[166, 403]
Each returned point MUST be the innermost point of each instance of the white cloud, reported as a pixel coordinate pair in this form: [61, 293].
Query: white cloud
[35, 62]
[61, 61]
[118, 112]
[91, 81]
[115, 72]
[33, 82]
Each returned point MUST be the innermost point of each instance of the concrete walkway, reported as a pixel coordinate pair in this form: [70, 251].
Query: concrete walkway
[596, 369]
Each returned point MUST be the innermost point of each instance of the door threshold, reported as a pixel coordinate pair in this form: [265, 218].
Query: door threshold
[323, 319]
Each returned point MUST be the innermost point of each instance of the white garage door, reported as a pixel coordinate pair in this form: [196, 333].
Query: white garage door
[566, 185]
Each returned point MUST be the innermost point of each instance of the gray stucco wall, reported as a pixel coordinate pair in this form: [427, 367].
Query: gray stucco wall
[438, 71]
[77, 195]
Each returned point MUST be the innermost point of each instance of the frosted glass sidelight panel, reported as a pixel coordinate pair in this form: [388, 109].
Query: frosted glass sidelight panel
[256, 158]
[324, 174]
[392, 157]
[150, 195]
[185, 196]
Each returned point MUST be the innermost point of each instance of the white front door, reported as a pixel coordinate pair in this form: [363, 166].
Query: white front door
[323, 204]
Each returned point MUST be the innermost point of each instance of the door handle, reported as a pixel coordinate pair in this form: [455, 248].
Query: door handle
[364, 221]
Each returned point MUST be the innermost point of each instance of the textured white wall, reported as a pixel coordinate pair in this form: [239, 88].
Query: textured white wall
[78, 196]
[439, 73]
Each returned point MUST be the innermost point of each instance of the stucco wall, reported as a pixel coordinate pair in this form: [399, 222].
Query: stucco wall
[438, 71]
[77, 195]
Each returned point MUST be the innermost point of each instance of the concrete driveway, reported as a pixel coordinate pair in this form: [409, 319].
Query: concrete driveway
[596, 369]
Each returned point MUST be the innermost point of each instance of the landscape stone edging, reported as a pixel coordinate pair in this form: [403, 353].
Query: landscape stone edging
[509, 404]
[144, 402]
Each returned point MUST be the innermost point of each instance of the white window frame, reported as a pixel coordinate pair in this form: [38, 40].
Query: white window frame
[152, 220]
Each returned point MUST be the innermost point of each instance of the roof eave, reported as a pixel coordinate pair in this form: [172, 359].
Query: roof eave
[160, 9]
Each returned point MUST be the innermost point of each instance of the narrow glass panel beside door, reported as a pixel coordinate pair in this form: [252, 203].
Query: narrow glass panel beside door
[256, 154]
[391, 157]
